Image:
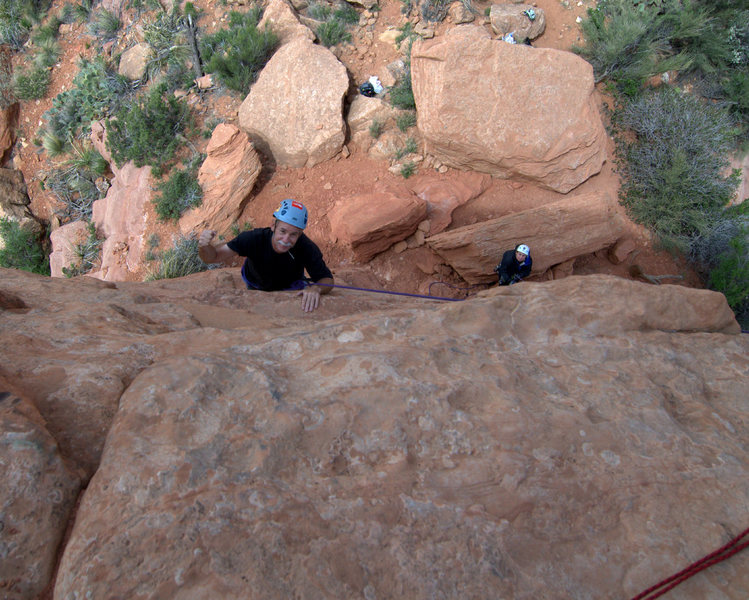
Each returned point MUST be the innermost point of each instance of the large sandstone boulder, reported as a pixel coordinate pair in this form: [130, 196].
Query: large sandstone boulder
[555, 232]
[508, 110]
[373, 221]
[134, 61]
[294, 111]
[389, 448]
[226, 177]
[36, 500]
[580, 438]
[121, 218]
[282, 19]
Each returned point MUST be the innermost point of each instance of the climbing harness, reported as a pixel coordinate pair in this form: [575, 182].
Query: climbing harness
[733, 547]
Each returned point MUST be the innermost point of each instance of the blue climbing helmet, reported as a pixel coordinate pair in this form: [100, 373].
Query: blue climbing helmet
[292, 212]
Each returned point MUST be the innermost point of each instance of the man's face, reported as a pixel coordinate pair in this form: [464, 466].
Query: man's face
[284, 236]
[519, 256]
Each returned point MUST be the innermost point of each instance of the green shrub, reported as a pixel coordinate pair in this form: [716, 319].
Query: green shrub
[408, 169]
[375, 128]
[707, 41]
[47, 54]
[617, 41]
[166, 35]
[104, 25]
[236, 229]
[47, 33]
[17, 17]
[345, 13]
[402, 93]
[673, 169]
[179, 261]
[333, 29]
[407, 34]
[149, 131]
[179, 193]
[83, 10]
[237, 54]
[731, 276]
[87, 158]
[411, 147]
[31, 84]
[22, 249]
[97, 92]
[88, 254]
[319, 11]
[52, 143]
[405, 121]
[332, 32]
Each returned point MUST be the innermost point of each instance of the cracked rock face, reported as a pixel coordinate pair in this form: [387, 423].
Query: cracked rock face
[526, 443]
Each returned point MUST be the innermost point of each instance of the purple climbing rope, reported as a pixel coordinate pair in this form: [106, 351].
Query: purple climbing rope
[360, 289]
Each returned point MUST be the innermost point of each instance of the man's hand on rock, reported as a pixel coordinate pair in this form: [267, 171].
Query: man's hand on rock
[310, 298]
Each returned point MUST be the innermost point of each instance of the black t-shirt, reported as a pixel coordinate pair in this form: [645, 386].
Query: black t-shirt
[270, 270]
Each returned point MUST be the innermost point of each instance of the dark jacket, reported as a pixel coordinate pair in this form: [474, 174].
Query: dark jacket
[510, 271]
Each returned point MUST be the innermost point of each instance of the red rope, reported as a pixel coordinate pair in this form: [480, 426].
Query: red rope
[721, 554]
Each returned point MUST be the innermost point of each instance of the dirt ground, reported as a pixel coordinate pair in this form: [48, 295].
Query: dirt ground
[322, 186]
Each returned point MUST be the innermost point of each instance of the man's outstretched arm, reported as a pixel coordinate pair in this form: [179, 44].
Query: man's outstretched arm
[213, 254]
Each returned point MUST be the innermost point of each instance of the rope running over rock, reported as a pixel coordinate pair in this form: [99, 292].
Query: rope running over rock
[721, 554]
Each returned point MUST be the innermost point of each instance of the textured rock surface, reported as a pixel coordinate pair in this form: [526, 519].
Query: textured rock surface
[442, 198]
[508, 110]
[280, 16]
[372, 222]
[524, 444]
[295, 108]
[226, 177]
[64, 241]
[134, 61]
[362, 112]
[555, 233]
[8, 123]
[121, 218]
[14, 199]
[36, 499]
